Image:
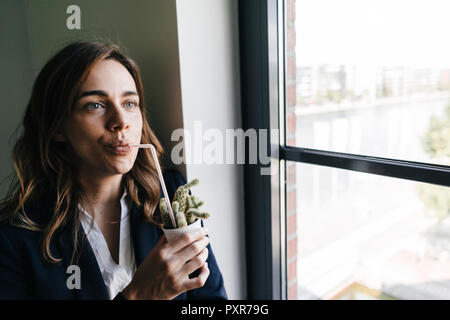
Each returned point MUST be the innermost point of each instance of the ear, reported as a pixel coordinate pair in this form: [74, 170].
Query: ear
[59, 137]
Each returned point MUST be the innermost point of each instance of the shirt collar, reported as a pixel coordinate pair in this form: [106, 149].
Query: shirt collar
[123, 204]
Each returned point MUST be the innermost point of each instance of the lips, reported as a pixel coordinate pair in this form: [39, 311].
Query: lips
[119, 147]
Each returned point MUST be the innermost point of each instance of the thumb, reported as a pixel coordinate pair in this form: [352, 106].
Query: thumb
[162, 241]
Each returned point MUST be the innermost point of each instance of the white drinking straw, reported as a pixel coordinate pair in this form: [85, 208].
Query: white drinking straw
[161, 179]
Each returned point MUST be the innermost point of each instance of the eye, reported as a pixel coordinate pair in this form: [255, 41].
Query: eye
[93, 106]
[130, 104]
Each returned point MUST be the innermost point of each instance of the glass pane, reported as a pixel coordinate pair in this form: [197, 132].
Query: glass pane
[363, 236]
[369, 77]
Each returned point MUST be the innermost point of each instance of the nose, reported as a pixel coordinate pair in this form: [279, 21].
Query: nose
[117, 120]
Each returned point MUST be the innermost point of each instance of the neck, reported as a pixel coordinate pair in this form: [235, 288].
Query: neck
[103, 190]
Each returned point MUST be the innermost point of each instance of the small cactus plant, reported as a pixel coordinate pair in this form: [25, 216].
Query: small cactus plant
[192, 214]
[181, 220]
[182, 194]
[164, 211]
[185, 207]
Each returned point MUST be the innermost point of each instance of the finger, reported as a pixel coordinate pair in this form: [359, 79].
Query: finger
[159, 250]
[200, 281]
[196, 262]
[187, 239]
[162, 241]
[193, 249]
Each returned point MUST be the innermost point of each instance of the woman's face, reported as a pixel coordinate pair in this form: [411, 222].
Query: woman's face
[106, 118]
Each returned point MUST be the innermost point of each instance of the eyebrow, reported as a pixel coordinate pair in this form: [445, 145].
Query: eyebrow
[104, 94]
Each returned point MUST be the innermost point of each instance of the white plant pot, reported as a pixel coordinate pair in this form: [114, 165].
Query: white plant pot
[172, 234]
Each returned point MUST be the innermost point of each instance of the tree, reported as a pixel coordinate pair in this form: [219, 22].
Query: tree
[437, 144]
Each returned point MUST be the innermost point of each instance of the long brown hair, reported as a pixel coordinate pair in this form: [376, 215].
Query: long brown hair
[44, 166]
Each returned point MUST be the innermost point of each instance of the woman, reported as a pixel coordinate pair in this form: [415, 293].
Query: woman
[81, 220]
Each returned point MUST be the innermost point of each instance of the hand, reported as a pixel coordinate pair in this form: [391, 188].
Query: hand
[164, 272]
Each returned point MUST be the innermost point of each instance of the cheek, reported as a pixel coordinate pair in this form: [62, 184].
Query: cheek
[83, 134]
[137, 126]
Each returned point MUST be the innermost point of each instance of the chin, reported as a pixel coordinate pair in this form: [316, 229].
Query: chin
[121, 168]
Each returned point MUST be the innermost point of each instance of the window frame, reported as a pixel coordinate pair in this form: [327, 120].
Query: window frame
[264, 227]
[262, 65]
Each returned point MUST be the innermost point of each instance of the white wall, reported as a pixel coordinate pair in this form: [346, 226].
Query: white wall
[210, 92]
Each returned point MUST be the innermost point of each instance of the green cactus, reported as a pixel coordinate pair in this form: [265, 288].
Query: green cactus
[189, 203]
[193, 202]
[183, 192]
[193, 213]
[181, 220]
[190, 218]
[175, 207]
[179, 215]
[196, 201]
[185, 207]
[165, 215]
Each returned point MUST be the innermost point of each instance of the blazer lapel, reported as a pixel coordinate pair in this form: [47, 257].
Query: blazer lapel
[145, 235]
[92, 284]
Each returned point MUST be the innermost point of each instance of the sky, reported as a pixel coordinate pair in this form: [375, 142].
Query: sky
[373, 32]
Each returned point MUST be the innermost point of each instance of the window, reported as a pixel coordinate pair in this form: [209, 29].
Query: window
[360, 93]
[370, 236]
[369, 79]
[364, 79]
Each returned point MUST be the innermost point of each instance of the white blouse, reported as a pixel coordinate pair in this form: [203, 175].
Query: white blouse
[115, 276]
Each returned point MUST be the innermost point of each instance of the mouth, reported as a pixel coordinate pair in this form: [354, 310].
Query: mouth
[119, 148]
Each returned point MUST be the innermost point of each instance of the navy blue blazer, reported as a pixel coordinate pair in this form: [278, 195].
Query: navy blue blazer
[24, 274]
